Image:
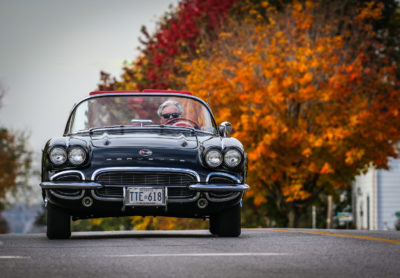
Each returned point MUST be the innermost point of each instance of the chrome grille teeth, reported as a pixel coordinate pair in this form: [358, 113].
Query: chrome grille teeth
[134, 178]
[173, 192]
[176, 182]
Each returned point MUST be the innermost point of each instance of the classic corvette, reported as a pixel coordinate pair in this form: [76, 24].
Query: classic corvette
[150, 153]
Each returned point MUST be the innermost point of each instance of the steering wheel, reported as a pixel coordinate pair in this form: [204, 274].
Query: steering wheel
[182, 122]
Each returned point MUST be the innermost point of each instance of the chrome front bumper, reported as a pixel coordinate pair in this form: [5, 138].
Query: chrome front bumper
[213, 192]
[219, 187]
[207, 189]
[70, 185]
[95, 185]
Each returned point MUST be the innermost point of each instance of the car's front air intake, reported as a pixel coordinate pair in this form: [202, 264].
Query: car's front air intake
[145, 178]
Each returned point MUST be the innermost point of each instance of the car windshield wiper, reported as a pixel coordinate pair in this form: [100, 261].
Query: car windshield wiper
[93, 129]
[106, 127]
[122, 127]
[191, 129]
[135, 123]
[162, 127]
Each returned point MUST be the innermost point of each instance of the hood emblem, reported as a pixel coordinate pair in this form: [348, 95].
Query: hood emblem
[145, 152]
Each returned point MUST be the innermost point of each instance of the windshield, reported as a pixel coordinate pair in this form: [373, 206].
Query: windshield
[140, 111]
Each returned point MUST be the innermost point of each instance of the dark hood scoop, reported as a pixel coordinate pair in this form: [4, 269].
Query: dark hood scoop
[171, 141]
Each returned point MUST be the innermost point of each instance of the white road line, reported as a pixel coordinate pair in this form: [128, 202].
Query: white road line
[14, 257]
[198, 255]
[1, 243]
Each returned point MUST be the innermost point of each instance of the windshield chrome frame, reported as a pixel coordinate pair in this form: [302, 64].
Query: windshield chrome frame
[68, 125]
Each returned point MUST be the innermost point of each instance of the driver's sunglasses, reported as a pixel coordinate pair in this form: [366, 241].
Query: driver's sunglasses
[168, 115]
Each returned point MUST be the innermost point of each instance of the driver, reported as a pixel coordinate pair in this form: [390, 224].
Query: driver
[170, 109]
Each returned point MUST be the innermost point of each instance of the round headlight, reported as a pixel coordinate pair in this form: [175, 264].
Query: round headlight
[213, 158]
[58, 156]
[76, 155]
[232, 158]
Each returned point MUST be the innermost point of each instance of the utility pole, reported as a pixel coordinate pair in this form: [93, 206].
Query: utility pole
[329, 214]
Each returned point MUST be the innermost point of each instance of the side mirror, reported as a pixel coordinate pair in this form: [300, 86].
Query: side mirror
[225, 128]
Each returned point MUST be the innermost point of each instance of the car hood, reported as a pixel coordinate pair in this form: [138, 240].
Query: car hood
[143, 140]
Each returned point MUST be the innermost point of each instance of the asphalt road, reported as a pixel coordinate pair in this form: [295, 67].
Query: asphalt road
[257, 253]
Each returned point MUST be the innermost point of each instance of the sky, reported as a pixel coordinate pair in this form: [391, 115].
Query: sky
[52, 52]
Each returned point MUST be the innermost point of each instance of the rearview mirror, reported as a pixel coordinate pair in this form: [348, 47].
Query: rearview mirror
[225, 128]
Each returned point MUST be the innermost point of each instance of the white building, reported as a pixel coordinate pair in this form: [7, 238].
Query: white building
[376, 198]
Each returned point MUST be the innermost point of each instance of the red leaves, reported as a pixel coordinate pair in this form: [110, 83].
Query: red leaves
[179, 35]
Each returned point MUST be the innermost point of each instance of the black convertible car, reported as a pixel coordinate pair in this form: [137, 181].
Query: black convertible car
[150, 153]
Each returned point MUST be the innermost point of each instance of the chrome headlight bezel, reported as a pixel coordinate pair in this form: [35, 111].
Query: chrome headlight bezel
[212, 156]
[58, 156]
[77, 156]
[233, 154]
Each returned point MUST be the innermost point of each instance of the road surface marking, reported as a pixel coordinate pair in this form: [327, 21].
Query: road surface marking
[14, 257]
[198, 255]
[333, 234]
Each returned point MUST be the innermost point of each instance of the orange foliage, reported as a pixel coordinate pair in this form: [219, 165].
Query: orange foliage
[313, 104]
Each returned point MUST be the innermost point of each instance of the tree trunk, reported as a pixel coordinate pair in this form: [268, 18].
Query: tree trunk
[292, 219]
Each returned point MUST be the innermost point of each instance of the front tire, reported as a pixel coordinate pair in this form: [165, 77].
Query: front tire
[227, 222]
[58, 223]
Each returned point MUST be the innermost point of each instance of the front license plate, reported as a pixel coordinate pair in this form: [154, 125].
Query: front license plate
[145, 196]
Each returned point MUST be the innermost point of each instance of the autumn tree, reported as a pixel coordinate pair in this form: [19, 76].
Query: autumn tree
[312, 94]
[177, 37]
[15, 161]
[304, 82]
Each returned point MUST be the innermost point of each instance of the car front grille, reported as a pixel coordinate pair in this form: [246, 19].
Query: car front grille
[179, 192]
[173, 192]
[177, 183]
[145, 178]
[111, 192]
